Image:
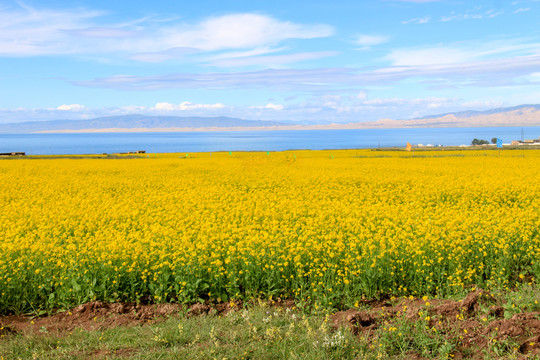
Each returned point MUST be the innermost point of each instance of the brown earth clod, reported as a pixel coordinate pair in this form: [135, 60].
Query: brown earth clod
[198, 310]
[478, 320]
[94, 315]
[471, 303]
[356, 321]
[496, 311]
[531, 345]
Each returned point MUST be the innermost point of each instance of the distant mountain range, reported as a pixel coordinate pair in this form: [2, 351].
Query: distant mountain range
[523, 115]
[471, 113]
[134, 121]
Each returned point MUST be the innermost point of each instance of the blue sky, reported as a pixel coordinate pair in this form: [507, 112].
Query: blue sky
[306, 61]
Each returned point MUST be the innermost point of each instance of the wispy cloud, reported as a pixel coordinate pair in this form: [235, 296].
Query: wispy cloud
[487, 73]
[161, 56]
[430, 102]
[72, 107]
[26, 31]
[422, 20]
[482, 104]
[246, 53]
[462, 52]
[532, 78]
[428, 56]
[102, 32]
[370, 40]
[472, 15]
[321, 109]
[29, 31]
[353, 108]
[521, 10]
[275, 78]
[367, 41]
[463, 69]
[186, 105]
[268, 106]
[271, 61]
[240, 31]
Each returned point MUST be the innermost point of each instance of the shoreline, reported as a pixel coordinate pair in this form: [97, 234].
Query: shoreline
[355, 126]
[418, 149]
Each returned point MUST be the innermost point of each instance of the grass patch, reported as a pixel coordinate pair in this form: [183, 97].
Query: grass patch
[257, 333]
[401, 328]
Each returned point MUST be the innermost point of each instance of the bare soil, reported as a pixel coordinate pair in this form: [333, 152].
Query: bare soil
[94, 315]
[453, 319]
[97, 315]
[461, 320]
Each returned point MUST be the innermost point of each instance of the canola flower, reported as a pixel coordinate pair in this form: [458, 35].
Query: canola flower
[322, 227]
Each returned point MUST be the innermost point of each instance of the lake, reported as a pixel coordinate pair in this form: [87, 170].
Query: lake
[96, 143]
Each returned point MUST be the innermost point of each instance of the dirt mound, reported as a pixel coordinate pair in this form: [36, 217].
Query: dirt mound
[98, 315]
[478, 321]
[95, 315]
[358, 321]
[481, 321]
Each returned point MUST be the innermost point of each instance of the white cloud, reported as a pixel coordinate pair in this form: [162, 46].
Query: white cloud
[467, 71]
[240, 31]
[247, 53]
[482, 104]
[160, 56]
[321, 109]
[274, 78]
[473, 14]
[352, 108]
[72, 107]
[131, 109]
[430, 102]
[272, 60]
[521, 10]
[489, 72]
[362, 95]
[370, 40]
[458, 53]
[186, 105]
[102, 32]
[454, 16]
[428, 56]
[422, 20]
[455, 65]
[268, 106]
[531, 78]
[28, 31]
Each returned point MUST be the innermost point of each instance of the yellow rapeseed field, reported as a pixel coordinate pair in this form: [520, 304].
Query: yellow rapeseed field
[323, 227]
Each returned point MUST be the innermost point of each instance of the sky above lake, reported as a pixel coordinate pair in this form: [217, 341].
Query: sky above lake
[306, 61]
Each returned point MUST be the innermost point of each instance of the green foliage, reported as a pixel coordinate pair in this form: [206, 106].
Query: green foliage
[265, 332]
[480, 142]
[259, 333]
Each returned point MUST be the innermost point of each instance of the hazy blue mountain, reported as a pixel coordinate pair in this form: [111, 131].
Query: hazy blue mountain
[471, 113]
[510, 116]
[134, 121]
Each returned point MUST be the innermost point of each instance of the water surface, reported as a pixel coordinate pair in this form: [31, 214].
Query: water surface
[96, 143]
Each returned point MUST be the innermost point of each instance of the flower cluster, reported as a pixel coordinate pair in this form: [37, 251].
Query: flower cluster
[320, 229]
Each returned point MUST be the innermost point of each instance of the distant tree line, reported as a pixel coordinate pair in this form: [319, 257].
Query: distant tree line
[480, 141]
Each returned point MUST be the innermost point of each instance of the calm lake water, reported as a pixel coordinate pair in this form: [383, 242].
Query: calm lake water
[94, 143]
